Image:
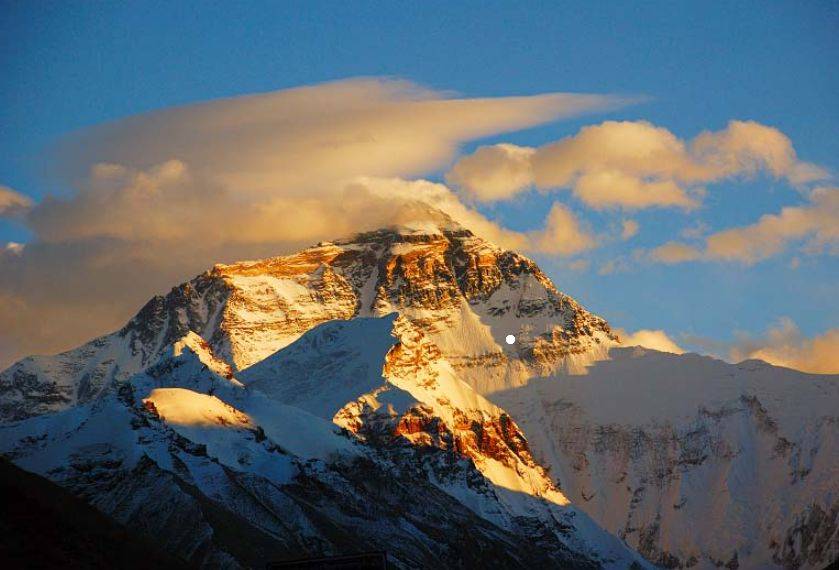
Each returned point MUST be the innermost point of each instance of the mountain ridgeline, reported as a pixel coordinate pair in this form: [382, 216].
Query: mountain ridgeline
[359, 396]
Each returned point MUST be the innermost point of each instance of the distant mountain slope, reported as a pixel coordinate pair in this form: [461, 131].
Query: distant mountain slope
[694, 461]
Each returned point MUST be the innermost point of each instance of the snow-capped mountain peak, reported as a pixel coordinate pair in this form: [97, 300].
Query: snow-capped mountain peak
[463, 292]
[359, 394]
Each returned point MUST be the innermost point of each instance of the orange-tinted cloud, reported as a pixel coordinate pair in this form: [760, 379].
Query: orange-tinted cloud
[629, 229]
[784, 345]
[674, 252]
[562, 235]
[654, 339]
[493, 172]
[12, 203]
[632, 165]
[816, 223]
[313, 139]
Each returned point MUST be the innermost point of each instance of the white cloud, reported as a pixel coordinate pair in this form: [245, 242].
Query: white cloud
[633, 165]
[653, 339]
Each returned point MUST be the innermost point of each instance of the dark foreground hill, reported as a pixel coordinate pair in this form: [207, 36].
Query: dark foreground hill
[45, 526]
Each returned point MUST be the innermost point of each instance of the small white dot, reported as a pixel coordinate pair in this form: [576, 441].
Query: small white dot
[510, 339]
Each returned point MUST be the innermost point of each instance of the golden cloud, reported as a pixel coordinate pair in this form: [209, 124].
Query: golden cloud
[12, 203]
[674, 252]
[653, 339]
[314, 138]
[784, 345]
[817, 222]
[493, 172]
[632, 165]
[629, 229]
[562, 235]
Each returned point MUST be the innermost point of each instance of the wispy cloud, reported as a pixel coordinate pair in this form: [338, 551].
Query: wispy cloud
[13, 204]
[816, 223]
[310, 139]
[629, 229]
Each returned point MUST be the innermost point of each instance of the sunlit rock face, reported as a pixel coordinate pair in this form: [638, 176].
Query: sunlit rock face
[463, 292]
[360, 395]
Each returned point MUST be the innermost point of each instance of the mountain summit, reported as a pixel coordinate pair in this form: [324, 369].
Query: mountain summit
[318, 402]
[359, 395]
[463, 292]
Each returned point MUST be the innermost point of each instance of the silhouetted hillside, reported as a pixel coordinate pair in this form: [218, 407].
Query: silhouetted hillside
[44, 526]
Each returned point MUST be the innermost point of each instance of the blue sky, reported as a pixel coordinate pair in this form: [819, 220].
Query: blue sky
[75, 64]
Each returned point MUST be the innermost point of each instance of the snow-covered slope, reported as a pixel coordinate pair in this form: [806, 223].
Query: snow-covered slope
[356, 436]
[695, 462]
[359, 395]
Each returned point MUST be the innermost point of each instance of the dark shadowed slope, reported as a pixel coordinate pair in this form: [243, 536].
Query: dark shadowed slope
[45, 526]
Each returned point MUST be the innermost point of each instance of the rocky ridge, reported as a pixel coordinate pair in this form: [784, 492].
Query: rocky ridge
[463, 292]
